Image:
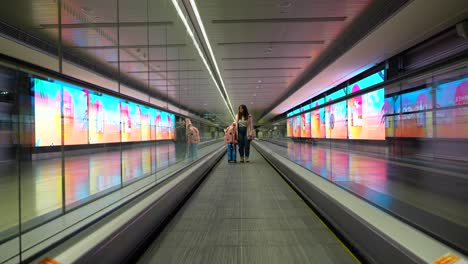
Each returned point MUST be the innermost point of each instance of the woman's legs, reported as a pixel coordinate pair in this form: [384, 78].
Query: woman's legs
[247, 148]
[194, 151]
[242, 141]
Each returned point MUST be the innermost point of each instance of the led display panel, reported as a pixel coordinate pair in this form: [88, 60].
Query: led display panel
[165, 120]
[335, 116]
[452, 123]
[367, 82]
[104, 119]
[336, 95]
[289, 127]
[297, 126]
[145, 123]
[318, 123]
[172, 125]
[47, 113]
[305, 125]
[411, 124]
[130, 122]
[365, 116]
[75, 115]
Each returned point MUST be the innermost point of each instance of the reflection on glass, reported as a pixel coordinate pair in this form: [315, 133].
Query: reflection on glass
[104, 171]
[77, 179]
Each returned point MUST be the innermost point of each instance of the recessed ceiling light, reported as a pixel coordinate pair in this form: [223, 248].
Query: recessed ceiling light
[86, 9]
[259, 81]
[251, 102]
[258, 86]
[254, 94]
[285, 4]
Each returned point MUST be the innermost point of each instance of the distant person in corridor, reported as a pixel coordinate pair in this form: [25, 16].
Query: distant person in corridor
[193, 138]
[246, 132]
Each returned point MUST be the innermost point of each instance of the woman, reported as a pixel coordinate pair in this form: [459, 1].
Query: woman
[193, 138]
[246, 132]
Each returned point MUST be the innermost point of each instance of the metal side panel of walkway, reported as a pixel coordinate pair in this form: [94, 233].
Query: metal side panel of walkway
[246, 213]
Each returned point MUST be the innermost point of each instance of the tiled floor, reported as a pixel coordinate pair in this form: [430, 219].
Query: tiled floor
[246, 213]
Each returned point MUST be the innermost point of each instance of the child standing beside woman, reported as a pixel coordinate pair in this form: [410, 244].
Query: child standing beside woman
[246, 132]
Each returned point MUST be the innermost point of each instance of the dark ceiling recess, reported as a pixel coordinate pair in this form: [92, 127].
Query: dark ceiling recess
[145, 61]
[292, 42]
[108, 25]
[268, 58]
[260, 77]
[280, 20]
[131, 46]
[371, 17]
[166, 71]
[264, 68]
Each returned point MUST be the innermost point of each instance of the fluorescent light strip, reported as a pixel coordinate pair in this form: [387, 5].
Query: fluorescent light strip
[207, 41]
[189, 30]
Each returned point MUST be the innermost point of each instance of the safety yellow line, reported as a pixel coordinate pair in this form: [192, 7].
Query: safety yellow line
[313, 212]
[326, 226]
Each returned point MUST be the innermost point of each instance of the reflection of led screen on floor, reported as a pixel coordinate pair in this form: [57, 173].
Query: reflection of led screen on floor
[414, 124]
[336, 120]
[297, 126]
[47, 114]
[318, 123]
[289, 127]
[104, 119]
[367, 82]
[305, 125]
[365, 116]
[452, 123]
[75, 113]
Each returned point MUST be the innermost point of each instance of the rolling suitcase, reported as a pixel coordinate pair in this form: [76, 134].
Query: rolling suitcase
[232, 152]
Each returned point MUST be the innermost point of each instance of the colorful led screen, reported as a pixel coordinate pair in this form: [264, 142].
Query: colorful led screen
[367, 82]
[75, 115]
[305, 125]
[365, 116]
[336, 95]
[289, 127]
[318, 102]
[145, 123]
[130, 115]
[335, 124]
[414, 121]
[452, 123]
[297, 126]
[318, 123]
[47, 113]
[104, 119]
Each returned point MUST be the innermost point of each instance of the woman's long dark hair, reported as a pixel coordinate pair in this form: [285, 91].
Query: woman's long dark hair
[245, 114]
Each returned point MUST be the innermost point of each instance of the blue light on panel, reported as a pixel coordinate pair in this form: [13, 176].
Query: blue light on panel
[367, 82]
[336, 95]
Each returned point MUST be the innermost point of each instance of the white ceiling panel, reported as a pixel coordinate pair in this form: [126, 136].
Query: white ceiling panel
[271, 28]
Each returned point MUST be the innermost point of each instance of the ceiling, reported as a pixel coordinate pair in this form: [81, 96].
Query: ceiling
[262, 46]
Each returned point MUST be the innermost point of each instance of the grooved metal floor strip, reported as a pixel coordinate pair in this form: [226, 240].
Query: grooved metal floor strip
[245, 213]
